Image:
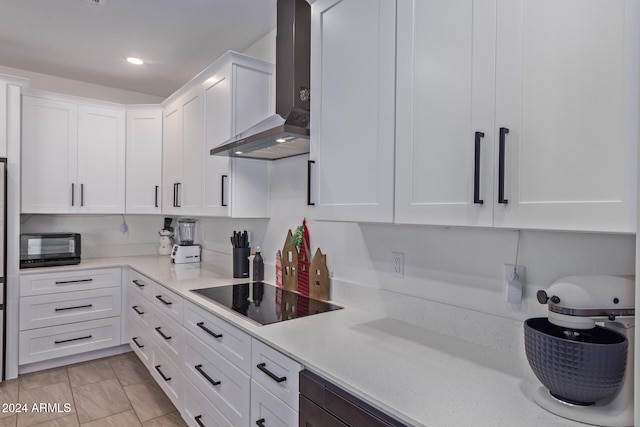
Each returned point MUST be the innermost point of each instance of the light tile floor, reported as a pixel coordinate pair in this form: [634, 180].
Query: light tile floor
[116, 391]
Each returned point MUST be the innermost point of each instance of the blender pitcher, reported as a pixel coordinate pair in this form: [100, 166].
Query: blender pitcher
[186, 231]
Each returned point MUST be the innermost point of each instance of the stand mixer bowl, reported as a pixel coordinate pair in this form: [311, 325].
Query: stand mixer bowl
[577, 366]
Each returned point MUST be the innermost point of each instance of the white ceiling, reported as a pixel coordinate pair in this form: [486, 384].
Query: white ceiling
[79, 40]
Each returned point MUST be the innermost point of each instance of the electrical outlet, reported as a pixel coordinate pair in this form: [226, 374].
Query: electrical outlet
[397, 264]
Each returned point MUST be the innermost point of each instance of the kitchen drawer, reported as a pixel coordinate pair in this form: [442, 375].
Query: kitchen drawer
[167, 334]
[141, 284]
[275, 372]
[64, 340]
[198, 411]
[270, 410]
[226, 339]
[139, 308]
[225, 385]
[168, 376]
[167, 302]
[141, 342]
[39, 311]
[68, 281]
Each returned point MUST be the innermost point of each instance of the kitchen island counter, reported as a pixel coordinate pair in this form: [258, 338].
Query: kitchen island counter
[417, 375]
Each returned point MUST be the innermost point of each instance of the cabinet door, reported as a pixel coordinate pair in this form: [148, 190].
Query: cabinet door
[353, 113]
[445, 83]
[218, 129]
[171, 158]
[49, 150]
[567, 91]
[191, 192]
[144, 160]
[101, 159]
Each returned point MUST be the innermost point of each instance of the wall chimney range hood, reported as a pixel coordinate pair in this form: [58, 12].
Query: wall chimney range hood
[286, 133]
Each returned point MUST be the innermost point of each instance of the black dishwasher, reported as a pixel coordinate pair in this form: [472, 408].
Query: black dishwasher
[323, 404]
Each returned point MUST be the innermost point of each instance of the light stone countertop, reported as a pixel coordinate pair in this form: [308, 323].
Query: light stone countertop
[417, 375]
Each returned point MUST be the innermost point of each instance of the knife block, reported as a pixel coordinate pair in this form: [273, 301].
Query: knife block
[241, 262]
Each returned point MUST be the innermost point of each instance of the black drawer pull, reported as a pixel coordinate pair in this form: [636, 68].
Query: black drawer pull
[135, 308]
[164, 377]
[501, 168]
[271, 375]
[66, 282]
[198, 420]
[76, 307]
[260, 422]
[163, 301]
[207, 330]
[74, 339]
[138, 284]
[309, 163]
[166, 337]
[135, 340]
[207, 377]
[476, 170]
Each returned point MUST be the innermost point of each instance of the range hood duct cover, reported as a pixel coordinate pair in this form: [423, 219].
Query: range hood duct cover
[286, 133]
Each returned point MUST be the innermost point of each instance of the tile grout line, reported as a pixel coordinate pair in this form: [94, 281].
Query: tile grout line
[124, 391]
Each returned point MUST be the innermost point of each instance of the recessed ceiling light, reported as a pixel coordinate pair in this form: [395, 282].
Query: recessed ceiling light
[134, 60]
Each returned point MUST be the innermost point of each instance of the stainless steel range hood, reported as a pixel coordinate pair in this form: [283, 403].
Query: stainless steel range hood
[286, 133]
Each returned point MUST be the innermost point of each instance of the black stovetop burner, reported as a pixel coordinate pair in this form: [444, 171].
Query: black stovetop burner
[264, 303]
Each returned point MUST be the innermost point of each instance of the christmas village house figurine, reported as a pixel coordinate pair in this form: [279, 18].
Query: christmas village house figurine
[289, 264]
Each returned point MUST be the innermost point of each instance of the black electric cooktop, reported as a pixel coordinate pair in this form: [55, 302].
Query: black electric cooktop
[264, 303]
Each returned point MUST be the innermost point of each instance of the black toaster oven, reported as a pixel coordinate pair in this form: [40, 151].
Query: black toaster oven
[49, 249]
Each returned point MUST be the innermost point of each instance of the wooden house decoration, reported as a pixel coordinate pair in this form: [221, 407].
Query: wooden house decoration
[289, 264]
[319, 277]
[304, 259]
[279, 269]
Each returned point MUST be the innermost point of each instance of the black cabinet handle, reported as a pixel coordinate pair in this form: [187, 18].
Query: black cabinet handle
[175, 203]
[74, 339]
[81, 194]
[207, 377]
[476, 170]
[164, 377]
[224, 181]
[178, 195]
[271, 375]
[501, 153]
[163, 301]
[66, 282]
[156, 197]
[309, 163]
[135, 340]
[260, 422]
[138, 284]
[74, 308]
[197, 419]
[73, 194]
[207, 330]
[135, 308]
[159, 331]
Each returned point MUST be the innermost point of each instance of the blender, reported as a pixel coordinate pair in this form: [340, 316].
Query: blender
[186, 251]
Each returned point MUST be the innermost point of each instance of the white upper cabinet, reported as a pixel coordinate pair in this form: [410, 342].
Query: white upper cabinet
[101, 159]
[144, 159]
[544, 92]
[231, 95]
[445, 84]
[567, 91]
[352, 110]
[237, 96]
[10, 89]
[73, 155]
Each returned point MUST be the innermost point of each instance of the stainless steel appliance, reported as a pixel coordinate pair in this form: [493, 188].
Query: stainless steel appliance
[583, 354]
[3, 264]
[49, 249]
[186, 251]
[263, 303]
[286, 133]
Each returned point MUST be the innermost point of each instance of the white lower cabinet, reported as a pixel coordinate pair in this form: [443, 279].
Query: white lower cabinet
[141, 342]
[69, 312]
[65, 340]
[276, 372]
[226, 386]
[168, 375]
[168, 335]
[268, 410]
[198, 411]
